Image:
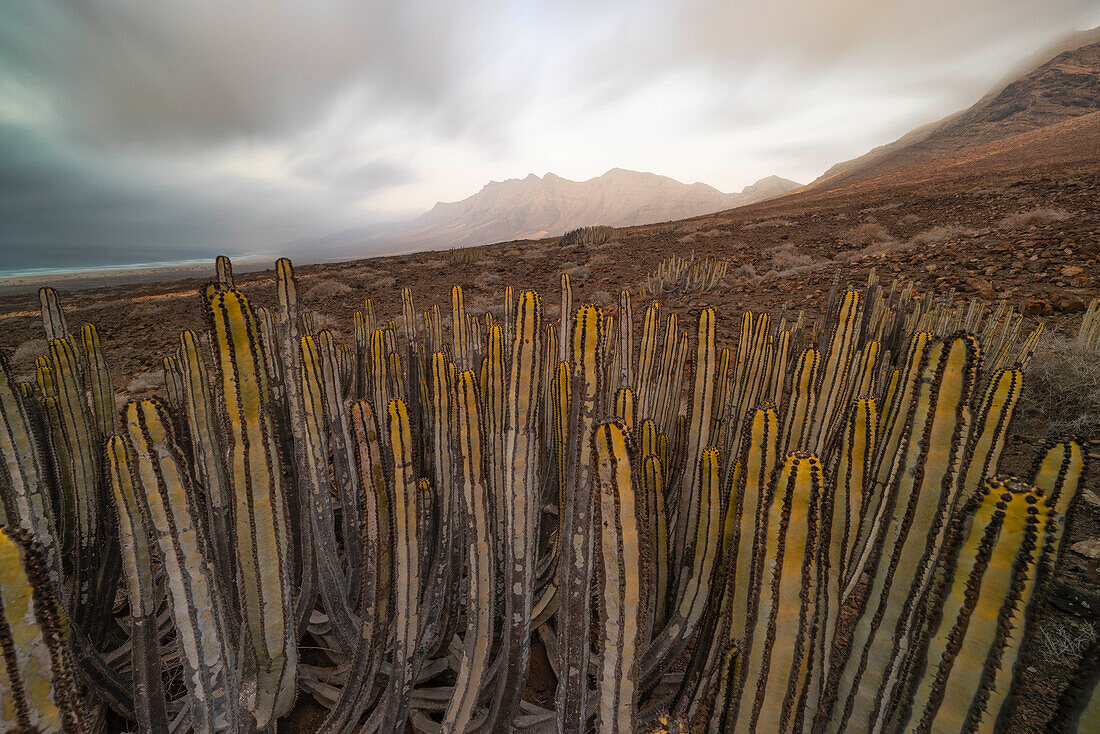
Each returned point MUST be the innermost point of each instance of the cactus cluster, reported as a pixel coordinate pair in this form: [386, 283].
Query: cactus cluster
[806, 533]
[677, 276]
[594, 235]
[465, 255]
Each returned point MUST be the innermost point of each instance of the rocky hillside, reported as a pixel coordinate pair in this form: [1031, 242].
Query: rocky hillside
[550, 205]
[1059, 84]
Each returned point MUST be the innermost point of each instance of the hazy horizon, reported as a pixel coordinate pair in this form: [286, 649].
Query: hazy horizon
[139, 133]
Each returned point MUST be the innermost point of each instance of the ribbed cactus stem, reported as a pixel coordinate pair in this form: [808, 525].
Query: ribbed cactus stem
[982, 606]
[99, 380]
[778, 662]
[577, 548]
[521, 465]
[622, 596]
[24, 491]
[263, 550]
[698, 438]
[38, 688]
[479, 619]
[202, 635]
[406, 575]
[911, 538]
[758, 462]
[137, 559]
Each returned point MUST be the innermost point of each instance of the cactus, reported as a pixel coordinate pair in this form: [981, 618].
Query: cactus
[38, 690]
[985, 601]
[594, 235]
[516, 474]
[169, 516]
[576, 562]
[623, 593]
[259, 514]
[678, 275]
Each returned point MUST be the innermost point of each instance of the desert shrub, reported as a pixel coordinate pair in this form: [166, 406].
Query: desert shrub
[26, 352]
[686, 239]
[1063, 389]
[866, 234]
[465, 255]
[327, 289]
[936, 235]
[769, 223]
[1035, 216]
[747, 270]
[146, 383]
[578, 273]
[595, 235]
[489, 279]
[679, 275]
[787, 257]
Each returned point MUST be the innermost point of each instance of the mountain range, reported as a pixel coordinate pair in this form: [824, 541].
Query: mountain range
[545, 206]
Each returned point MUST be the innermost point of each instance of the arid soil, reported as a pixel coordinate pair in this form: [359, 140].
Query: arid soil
[1017, 218]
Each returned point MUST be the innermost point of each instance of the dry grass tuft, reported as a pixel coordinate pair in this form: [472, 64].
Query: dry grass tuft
[866, 234]
[1061, 394]
[145, 383]
[1035, 216]
[787, 257]
[327, 289]
[936, 235]
[768, 223]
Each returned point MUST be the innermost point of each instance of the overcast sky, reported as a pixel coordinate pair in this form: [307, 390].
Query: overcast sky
[147, 131]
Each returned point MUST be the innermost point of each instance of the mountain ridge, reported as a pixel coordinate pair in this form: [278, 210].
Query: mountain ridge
[543, 206]
[1056, 84]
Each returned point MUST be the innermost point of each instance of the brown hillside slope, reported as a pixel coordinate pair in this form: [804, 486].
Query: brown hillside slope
[1060, 88]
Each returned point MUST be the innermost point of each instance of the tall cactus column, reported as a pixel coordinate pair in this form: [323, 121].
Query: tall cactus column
[263, 553]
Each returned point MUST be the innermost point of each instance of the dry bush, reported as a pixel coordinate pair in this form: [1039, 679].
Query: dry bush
[787, 257]
[328, 289]
[936, 235]
[487, 279]
[769, 223]
[1035, 216]
[866, 234]
[145, 383]
[874, 249]
[686, 239]
[716, 233]
[910, 218]
[26, 352]
[1062, 393]
[748, 270]
[577, 273]
[384, 283]
[600, 259]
